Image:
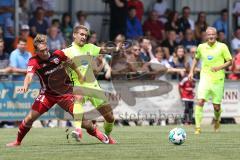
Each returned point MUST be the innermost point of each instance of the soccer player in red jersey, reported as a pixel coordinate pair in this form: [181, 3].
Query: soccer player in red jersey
[56, 88]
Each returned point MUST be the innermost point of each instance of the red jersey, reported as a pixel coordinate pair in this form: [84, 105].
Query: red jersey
[52, 74]
[186, 89]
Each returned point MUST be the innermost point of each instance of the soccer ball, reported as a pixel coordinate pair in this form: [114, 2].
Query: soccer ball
[177, 136]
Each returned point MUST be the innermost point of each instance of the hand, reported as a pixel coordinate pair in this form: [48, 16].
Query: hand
[190, 76]
[215, 69]
[82, 79]
[149, 48]
[22, 90]
[182, 72]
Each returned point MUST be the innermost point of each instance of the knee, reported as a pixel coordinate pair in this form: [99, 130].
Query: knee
[200, 103]
[109, 118]
[217, 108]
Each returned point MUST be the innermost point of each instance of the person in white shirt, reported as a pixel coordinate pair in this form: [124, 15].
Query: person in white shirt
[235, 43]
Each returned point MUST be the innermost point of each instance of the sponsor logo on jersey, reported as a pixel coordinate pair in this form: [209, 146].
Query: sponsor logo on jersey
[29, 69]
[210, 57]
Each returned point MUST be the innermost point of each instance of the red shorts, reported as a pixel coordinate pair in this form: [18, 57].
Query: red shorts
[44, 102]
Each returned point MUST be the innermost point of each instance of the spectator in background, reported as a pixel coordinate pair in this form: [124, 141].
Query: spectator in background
[56, 22]
[160, 58]
[179, 60]
[186, 89]
[67, 28]
[153, 27]
[25, 34]
[47, 5]
[160, 6]
[9, 34]
[146, 49]
[221, 37]
[19, 59]
[139, 8]
[101, 65]
[172, 22]
[38, 24]
[6, 11]
[118, 17]
[134, 26]
[192, 52]
[200, 25]
[221, 24]
[93, 38]
[82, 20]
[55, 40]
[170, 42]
[23, 12]
[185, 22]
[235, 68]
[188, 40]
[119, 40]
[4, 61]
[236, 13]
[1, 32]
[136, 64]
[235, 43]
[203, 37]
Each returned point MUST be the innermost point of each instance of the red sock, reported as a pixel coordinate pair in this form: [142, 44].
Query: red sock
[22, 131]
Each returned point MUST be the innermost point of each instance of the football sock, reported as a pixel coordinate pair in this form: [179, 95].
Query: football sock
[217, 114]
[108, 127]
[78, 115]
[22, 131]
[198, 115]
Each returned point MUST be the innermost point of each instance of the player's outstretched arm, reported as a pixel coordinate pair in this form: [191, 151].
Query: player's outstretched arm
[191, 73]
[27, 81]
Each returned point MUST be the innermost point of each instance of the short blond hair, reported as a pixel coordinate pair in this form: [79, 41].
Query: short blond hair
[78, 27]
[211, 28]
[40, 38]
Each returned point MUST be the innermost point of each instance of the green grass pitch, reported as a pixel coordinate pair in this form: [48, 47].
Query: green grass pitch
[136, 143]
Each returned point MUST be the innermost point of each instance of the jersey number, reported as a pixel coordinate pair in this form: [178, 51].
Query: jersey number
[40, 98]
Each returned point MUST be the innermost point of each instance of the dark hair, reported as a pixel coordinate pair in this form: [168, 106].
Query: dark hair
[224, 11]
[38, 9]
[81, 13]
[66, 14]
[21, 39]
[55, 20]
[131, 8]
[171, 15]
[185, 7]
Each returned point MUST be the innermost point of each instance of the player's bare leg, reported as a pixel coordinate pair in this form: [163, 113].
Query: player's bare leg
[217, 116]
[107, 113]
[24, 128]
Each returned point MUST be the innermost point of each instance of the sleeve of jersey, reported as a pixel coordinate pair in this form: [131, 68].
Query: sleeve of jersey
[32, 66]
[95, 50]
[61, 55]
[198, 53]
[226, 53]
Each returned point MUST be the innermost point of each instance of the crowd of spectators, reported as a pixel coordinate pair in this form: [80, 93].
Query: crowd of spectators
[164, 36]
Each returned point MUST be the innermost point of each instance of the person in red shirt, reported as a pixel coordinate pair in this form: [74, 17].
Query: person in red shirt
[235, 67]
[186, 89]
[153, 27]
[139, 8]
[56, 88]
